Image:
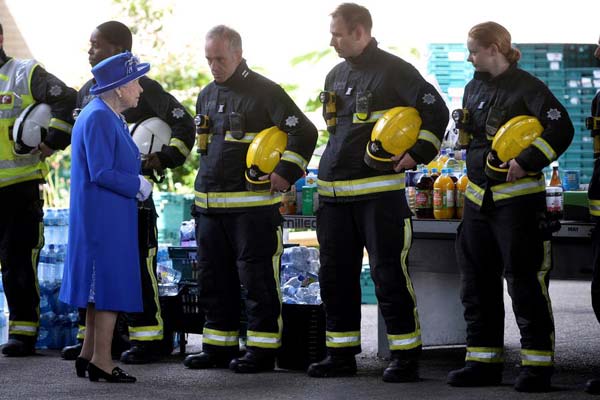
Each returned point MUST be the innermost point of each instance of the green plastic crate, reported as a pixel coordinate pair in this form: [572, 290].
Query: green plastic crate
[367, 287]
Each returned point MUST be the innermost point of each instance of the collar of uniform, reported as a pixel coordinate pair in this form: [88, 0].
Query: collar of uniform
[239, 75]
[485, 76]
[366, 56]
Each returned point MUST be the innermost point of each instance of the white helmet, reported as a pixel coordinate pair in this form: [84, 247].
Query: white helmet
[150, 135]
[31, 127]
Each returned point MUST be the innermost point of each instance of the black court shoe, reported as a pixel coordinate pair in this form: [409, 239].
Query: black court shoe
[117, 375]
[81, 365]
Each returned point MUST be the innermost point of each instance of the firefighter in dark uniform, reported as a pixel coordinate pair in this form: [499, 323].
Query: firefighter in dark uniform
[25, 82]
[239, 231]
[146, 328]
[368, 205]
[593, 123]
[504, 228]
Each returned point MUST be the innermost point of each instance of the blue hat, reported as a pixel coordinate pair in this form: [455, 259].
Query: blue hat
[116, 71]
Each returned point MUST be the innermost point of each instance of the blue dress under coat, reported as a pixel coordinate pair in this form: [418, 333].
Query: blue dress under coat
[103, 221]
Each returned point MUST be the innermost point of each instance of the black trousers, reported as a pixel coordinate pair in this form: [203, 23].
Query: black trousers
[383, 226]
[147, 325]
[505, 241]
[240, 248]
[21, 239]
[596, 272]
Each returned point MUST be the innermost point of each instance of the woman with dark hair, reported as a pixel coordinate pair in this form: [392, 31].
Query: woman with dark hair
[501, 234]
[101, 270]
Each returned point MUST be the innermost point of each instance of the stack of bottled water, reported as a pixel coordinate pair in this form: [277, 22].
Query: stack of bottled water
[3, 315]
[299, 275]
[58, 321]
[168, 277]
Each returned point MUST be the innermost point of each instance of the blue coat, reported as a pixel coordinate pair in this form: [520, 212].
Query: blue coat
[103, 219]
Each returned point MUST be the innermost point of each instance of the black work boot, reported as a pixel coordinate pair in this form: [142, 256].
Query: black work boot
[333, 366]
[592, 386]
[476, 374]
[71, 352]
[401, 371]
[205, 360]
[142, 353]
[534, 379]
[252, 362]
[19, 347]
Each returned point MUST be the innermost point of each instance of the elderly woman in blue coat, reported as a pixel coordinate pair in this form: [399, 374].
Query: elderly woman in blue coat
[102, 268]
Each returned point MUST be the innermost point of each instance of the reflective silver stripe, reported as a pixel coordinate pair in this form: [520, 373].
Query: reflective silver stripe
[520, 187]
[404, 342]
[373, 117]
[60, 125]
[294, 158]
[262, 339]
[22, 328]
[545, 148]
[135, 334]
[344, 339]
[179, 145]
[431, 138]
[14, 178]
[361, 186]
[235, 199]
[248, 137]
[220, 338]
[536, 358]
[594, 206]
[20, 161]
[481, 354]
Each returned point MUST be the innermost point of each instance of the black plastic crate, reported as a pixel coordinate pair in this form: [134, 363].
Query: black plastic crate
[303, 336]
[182, 313]
[185, 261]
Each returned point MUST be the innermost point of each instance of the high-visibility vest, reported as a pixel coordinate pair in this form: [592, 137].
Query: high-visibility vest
[15, 96]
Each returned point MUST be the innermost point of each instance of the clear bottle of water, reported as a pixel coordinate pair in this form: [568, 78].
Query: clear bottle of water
[62, 228]
[50, 225]
[453, 164]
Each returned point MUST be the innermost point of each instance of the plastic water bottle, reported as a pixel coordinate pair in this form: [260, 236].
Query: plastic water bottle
[59, 264]
[62, 226]
[2, 296]
[453, 164]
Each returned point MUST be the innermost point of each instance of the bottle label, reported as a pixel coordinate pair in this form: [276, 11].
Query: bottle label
[460, 198]
[449, 199]
[423, 198]
[438, 199]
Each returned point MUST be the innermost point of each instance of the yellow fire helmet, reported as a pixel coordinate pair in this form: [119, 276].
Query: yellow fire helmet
[263, 156]
[394, 133]
[511, 139]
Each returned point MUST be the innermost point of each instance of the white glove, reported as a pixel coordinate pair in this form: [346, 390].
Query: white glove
[145, 189]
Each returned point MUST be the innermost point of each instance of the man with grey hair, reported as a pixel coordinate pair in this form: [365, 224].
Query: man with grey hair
[238, 225]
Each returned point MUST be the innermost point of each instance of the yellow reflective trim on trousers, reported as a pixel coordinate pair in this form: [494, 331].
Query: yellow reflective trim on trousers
[247, 138]
[179, 145]
[25, 328]
[35, 254]
[594, 206]
[431, 138]
[156, 332]
[60, 125]
[474, 193]
[537, 358]
[485, 354]
[545, 148]
[373, 117]
[267, 340]
[409, 340]
[357, 187]
[220, 338]
[236, 199]
[276, 261]
[81, 332]
[521, 187]
[294, 158]
[342, 339]
[544, 270]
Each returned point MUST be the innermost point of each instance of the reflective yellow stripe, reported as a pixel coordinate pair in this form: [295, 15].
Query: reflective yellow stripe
[35, 254]
[594, 206]
[485, 354]
[342, 339]
[220, 338]
[149, 333]
[474, 193]
[537, 358]
[542, 274]
[146, 333]
[248, 137]
[521, 187]
[375, 115]
[405, 342]
[276, 261]
[267, 340]
[431, 138]
[22, 177]
[60, 125]
[545, 148]
[81, 332]
[294, 158]
[179, 145]
[357, 187]
[236, 199]
[25, 328]
[22, 161]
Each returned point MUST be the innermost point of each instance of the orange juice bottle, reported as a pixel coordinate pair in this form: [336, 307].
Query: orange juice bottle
[461, 186]
[443, 196]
